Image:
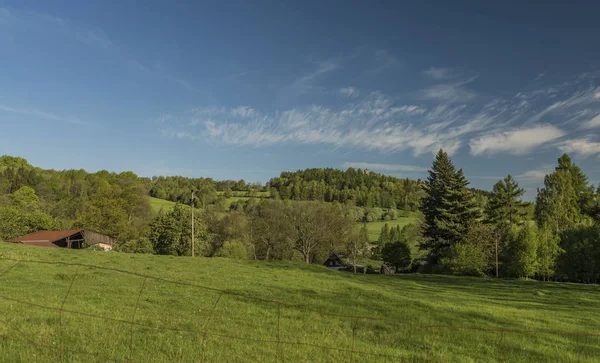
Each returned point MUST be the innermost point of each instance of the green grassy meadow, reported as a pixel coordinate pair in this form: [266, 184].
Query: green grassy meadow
[157, 204]
[145, 308]
[374, 228]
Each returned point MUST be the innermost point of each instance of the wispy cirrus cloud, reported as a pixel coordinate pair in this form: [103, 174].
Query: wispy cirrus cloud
[517, 141]
[384, 167]
[455, 92]
[374, 123]
[438, 73]
[41, 114]
[377, 122]
[349, 92]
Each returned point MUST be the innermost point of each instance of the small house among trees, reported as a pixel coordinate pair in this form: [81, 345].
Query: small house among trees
[334, 262]
[76, 238]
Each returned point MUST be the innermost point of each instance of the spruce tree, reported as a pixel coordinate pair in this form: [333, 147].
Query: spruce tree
[384, 236]
[505, 207]
[448, 206]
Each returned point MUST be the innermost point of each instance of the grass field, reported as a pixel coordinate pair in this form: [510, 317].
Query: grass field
[157, 204]
[182, 309]
[374, 228]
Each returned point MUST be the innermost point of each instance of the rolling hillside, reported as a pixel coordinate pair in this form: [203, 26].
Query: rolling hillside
[145, 308]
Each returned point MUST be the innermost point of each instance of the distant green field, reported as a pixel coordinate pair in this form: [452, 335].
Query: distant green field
[184, 309]
[374, 228]
[157, 204]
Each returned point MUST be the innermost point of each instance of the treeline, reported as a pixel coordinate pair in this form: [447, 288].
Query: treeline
[263, 230]
[32, 199]
[179, 189]
[354, 187]
[562, 243]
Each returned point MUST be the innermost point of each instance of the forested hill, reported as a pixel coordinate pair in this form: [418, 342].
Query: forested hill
[359, 187]
[32, 199]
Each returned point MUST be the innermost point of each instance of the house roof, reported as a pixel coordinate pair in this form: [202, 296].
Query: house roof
[40, 237]
[40, 244]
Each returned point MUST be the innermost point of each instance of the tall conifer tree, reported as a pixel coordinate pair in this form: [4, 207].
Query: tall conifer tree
[505, 207]
[448, 207]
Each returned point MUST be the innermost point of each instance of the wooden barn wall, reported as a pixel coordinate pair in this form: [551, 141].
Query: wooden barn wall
[92, 238]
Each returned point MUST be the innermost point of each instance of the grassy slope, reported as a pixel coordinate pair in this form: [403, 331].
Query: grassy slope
[374, 228]
[422, 300]
[157, 204]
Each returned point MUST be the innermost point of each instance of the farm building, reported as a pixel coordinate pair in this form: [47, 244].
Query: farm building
[76, 238]
[334, 262]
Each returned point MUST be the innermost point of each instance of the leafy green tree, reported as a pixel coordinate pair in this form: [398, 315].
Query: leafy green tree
[522, 251]
[397, 254]
[25, 199]
[232, 249]
[15, 222]
[448, 206]
[557, 204]
[358, 245]
[580, 260]
[319, 228]
[475, 255]
[504, 206]
[171, 234]
[138, 245]
[272, 231]
[584, 193]
[548, 252]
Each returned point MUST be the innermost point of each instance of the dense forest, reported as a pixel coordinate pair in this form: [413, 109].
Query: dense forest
[32, 198]
[305, 215]
[358, 187]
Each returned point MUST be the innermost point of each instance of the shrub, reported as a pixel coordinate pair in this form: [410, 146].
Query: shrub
[232, 249]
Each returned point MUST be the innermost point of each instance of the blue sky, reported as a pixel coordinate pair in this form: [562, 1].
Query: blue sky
[247, 89]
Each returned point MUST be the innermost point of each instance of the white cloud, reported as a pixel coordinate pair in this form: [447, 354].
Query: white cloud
[349, 91]
[516, 141]
[450, 92]
[593, 123]
[438, 73]
[384, 167]
[536, 175]
[374, 123]
[447, 93]
[408, 109]
[583, 147]
[576, 100]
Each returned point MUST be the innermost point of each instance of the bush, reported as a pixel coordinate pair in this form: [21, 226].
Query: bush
[466, 259]
[391, 214]
[140, 245]
[232, 249]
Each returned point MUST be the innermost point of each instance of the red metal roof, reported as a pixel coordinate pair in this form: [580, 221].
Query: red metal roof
[40, 244]
[45, 236]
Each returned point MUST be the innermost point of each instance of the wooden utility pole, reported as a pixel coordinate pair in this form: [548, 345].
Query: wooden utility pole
[192, 223]
[496, 256]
